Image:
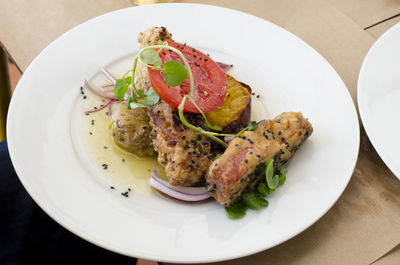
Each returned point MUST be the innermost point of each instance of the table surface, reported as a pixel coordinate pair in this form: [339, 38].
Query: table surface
[363, 227]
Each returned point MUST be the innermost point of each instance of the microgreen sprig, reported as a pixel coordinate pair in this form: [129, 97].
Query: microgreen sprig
[256, 200]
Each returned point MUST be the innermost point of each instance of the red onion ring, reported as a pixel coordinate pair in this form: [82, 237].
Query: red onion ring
[109, 75]
[98, 91]
[225, 67]
[100, 108]
[227, 139]
[188, 194]
[108, 87]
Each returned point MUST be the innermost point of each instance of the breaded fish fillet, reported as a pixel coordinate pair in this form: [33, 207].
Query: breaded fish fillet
[184, 153]
[241, 166]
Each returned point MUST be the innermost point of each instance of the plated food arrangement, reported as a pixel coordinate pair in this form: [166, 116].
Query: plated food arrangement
[100, 190]
[179, 106]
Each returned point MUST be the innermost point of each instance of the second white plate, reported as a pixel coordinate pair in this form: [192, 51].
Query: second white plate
[379, 97]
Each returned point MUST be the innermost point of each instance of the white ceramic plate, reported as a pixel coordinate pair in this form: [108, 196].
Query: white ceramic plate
[379, 97]
[289, 75]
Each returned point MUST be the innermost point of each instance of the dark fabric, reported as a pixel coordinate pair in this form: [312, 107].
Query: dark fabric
[29, 236]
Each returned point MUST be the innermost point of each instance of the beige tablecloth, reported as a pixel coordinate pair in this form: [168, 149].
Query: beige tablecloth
[364, 224]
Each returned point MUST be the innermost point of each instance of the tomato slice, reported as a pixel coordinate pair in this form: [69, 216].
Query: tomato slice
[209, 80]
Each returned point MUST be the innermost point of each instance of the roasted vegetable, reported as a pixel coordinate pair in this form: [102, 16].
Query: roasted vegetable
[131, 130]
[234, 113]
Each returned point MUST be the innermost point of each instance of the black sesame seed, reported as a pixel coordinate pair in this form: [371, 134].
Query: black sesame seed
[206, 59]
[82, 93]
[105, 166]
[258, 96]
[123, 160]
[129, 189]
[280, 132]
[90, 133]
[92, 122]
[246, 161]
[105, 147]
[84, 97]
[112, 187]
[164, 53]
[81, 87]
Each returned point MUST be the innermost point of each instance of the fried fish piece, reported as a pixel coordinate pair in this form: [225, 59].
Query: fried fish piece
[241, 167]
[184, 153]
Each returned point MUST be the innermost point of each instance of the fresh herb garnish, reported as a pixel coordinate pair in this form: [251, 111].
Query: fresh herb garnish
[174, 73]
[151, 58]
[121, 86]
[151, 98]
[272, 180]
[237, 210]
[256, 200]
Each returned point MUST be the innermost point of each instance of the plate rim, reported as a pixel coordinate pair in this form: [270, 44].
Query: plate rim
[361, 104]
[98, 242]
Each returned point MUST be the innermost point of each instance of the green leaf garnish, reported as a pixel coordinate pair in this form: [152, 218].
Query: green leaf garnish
[252, 126]
[213, 127]
[251, 200]
[263, 189]
[272, 180]
[141, 93]
[262, 202]
[174, 73]
[282, 179]
[237, 210]
[134, 105]
[151, 57]
[121, 86]
[283, 171]
[151, 97]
